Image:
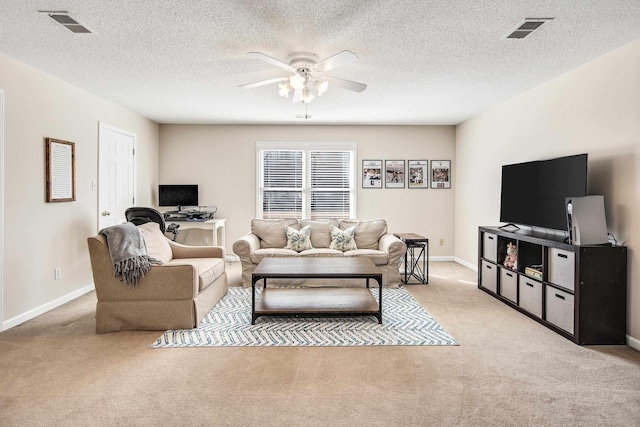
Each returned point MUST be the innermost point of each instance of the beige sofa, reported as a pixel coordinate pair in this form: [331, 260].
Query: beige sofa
[174, 295]
[268, 239]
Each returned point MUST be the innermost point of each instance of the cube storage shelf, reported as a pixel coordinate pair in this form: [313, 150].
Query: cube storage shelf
[580, 292]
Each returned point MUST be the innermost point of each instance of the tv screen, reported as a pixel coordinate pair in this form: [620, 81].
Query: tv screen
[178, 195]
[533, 193]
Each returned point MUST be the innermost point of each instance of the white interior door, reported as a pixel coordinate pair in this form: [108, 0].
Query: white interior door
[116, 169]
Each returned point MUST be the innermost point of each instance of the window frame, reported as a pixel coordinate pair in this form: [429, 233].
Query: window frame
[306, 148]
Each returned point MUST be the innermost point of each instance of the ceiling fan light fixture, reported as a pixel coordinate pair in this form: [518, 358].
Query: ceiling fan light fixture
[285, 88]
[322, 86]
[297, 81]
[307, 79]
[307, 97]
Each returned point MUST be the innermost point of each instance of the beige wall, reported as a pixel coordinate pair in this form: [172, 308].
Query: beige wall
[593, 109]
[41, 236]
[222, 160]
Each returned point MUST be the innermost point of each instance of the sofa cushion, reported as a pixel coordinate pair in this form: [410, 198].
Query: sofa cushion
[378, 257]
[208, 269]
[157, 244]
[321, 253]
[271, 231]
[298, 240]
[342, 240]
[257, 256]
[320, 233]
[368, 232]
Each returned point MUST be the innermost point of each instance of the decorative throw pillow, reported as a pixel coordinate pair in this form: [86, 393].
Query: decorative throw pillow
[157, 245]
[343, 240]
[298, 240]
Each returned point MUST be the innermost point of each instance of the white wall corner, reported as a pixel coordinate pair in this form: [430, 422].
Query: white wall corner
[31, 314]
[1, 208]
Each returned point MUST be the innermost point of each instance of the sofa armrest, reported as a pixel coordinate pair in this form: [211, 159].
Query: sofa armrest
[181, 251]
[393, 246]
[246, 245]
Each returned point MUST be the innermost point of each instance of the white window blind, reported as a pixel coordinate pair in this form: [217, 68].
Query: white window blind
[282, 184]
[306, 181]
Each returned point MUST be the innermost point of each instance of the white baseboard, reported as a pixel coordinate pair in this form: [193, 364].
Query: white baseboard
[441, 258]
[633, 342]
[460, 261]
[15, 321]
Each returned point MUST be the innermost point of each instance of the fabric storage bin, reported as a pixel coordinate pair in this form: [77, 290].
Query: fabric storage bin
[559, 308]
[509, 284]
[490, 247]
[561, 267]
[530, 295]
[489, 276]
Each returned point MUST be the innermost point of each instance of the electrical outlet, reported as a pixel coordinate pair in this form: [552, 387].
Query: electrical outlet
[57, 273]
[441, 242]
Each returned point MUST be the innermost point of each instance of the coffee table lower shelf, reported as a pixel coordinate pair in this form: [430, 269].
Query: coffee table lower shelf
[316, 302]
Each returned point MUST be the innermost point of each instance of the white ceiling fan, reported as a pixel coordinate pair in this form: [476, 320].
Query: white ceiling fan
[308, 79]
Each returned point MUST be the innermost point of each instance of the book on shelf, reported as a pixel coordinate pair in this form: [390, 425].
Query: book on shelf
[533, 272]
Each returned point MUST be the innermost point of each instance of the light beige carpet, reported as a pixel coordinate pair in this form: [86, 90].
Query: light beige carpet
[507, 371]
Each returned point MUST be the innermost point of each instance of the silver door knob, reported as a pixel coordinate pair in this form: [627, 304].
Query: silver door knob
[105, 213]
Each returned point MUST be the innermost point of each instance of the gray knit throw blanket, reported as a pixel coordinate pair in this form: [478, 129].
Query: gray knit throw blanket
[128, 252]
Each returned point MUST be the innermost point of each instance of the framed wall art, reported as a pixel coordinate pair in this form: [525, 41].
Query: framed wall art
[60, 165]
[372, 174]
[394, 173]
[440, 173]
[418, 174]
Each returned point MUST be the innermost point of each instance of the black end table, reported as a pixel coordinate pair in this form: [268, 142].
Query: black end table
[417, 247]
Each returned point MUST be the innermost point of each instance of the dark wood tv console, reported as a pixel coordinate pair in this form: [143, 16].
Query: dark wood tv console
[579, 292]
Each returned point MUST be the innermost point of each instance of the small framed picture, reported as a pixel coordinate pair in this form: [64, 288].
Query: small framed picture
[372, 174]
[418, 174]
[440, 173]
[394, 173]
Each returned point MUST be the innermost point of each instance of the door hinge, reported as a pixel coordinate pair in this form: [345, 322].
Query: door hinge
[133, 200]
[134, 151]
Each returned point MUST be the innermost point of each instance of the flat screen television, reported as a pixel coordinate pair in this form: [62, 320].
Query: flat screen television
[178, 195]
[533, 193]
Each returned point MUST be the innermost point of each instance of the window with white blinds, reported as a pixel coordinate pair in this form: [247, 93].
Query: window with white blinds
[306, 181]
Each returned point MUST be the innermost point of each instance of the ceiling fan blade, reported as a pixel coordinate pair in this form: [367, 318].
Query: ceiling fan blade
[346, 84]
[339, 59]
[272, 61]
[297, 96]
[264, 82]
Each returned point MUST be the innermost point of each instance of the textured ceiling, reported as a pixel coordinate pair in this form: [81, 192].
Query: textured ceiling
[424, 61]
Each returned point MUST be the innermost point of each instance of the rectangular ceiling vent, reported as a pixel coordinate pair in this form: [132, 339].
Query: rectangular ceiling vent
[526, 27]
[62, 17]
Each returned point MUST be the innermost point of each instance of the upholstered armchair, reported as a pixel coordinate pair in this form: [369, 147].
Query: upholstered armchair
[174, 295]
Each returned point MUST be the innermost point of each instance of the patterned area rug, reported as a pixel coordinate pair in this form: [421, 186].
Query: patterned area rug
[405, 322]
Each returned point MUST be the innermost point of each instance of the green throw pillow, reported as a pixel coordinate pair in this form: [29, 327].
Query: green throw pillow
[343, 240]
[298, 240]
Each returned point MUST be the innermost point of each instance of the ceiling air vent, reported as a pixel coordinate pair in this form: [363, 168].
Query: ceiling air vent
[62, 17]
[526, 27]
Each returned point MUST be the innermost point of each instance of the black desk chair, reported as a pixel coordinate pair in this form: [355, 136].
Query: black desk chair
[139, 216]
